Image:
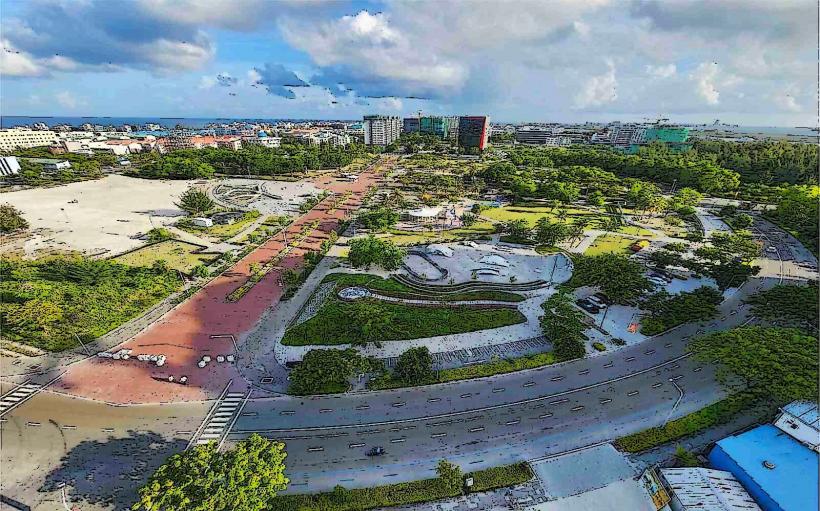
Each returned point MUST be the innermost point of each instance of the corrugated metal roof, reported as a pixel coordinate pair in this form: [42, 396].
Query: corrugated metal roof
[805, 411]
[707, 489]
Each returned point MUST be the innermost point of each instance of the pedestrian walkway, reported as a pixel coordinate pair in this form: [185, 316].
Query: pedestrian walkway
[18, 396]
[218, 423]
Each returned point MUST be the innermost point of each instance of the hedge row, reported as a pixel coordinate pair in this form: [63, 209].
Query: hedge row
[413, 492]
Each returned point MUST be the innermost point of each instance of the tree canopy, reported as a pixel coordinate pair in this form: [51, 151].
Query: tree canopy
[563, 326]
[326, 371]
[776, 363]
[414, 366]
[788, 306]
[370, 250]
[195, 201]
[244, 478]
[619, 278]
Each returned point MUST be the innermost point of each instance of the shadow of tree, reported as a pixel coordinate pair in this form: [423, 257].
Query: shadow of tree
[109, 472]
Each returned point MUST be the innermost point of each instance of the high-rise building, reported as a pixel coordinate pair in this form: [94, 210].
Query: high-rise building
[411, 124]
[381, 129]
[474, 131]
[438, 126]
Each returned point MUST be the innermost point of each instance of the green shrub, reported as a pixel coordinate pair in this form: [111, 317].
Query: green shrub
[598, 346]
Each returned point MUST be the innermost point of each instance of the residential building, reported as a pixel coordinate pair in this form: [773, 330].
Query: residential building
[452, 130]
[22, 138]
[327, 137]
[800, 420]
[473, 131]
[228, 142]
[704, 489]
[779, 472]
[9, 166]
[381, 130]
[264, 141]
[411, 125]
[50, 164]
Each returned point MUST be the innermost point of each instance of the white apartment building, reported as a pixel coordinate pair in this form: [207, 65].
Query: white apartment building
[381, 129]
[270, 142]
[22, 138]
[9, 166]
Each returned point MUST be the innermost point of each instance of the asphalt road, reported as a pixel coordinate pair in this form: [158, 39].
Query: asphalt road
[490, 421]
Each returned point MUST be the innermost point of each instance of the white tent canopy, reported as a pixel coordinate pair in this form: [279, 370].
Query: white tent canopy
[424, 212]
[441, 250]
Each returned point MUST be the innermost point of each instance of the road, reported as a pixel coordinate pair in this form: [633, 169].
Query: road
[486, 422]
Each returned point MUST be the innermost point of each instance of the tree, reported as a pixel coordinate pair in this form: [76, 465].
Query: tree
[550, 233]
[773, 363]
[620, 278]
[11, 219]
[788, 306]
[195, 202]
[325, 371]
[414, 366]
[370, 250]
[379, 219]
[742, 221]
[596, 198]
[468, 219]
[517, 229]
[563, 326]
[686, 197]
[451, 475]
[200, 271]
[242, 479]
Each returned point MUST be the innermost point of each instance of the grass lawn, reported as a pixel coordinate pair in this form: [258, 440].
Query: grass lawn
[360, 321]
[390, 287]
[533, 214]
[635, 231]
[607, 243]
[413, 492]
[219, 232]
[179, 255]
[493, 367]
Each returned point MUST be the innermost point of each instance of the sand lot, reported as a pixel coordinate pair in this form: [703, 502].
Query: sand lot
[111, 213]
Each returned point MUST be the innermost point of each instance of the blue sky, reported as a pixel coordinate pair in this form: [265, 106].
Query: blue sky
[741, 61]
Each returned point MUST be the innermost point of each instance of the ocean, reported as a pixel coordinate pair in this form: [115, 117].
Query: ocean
[9, 121]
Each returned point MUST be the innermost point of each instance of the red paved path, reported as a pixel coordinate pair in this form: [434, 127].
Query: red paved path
[183, 334]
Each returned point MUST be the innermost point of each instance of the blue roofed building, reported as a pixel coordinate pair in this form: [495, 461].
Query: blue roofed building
[779, 472]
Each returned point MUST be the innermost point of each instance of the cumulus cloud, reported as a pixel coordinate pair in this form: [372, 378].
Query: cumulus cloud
[14, 62]
[705, 78]
[277, 80]
[598, 90]
[67, 100]
[661, 71]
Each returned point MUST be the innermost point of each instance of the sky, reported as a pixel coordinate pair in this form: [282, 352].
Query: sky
[748, 62]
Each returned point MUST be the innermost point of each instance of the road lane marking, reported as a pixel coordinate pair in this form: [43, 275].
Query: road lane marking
[697, 369]
[629, 359]
[559, 401]
[397, 440]
[287, 412]
[316, 449]
[474, 410]
[476, 430]
[399, 405]
[656, 385]
[676, 378]
[606, 400]
[545, 415]
[577, 408]
[326, 410]
[648, 352]
[438, 435]
[511, 423]
[583, 372]
[556, 378]
[465, 396]
[529, 384]
[633, 393]
[496, 391]
[609, 364]
[434, 400]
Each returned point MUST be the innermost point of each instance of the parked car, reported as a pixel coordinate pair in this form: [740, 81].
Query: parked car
[588, 306]
[376, 451]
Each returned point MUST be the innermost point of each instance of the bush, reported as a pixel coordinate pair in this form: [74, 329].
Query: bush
[326, 371]
[379, 219]
[11, 219]
[598, 346]
[620, 278]
[708, 417]
[158, 234]
[671, 311]
[414, 366]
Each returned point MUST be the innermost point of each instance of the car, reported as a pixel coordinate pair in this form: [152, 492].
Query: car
[376, 451]
[588, 306]
[603, 298]
[595, 301]
[771, 249]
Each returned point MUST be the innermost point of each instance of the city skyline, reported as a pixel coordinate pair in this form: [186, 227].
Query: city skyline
[692, 62]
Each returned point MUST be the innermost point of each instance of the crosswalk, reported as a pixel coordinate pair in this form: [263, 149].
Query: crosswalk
[218, 424]
[17, 396]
